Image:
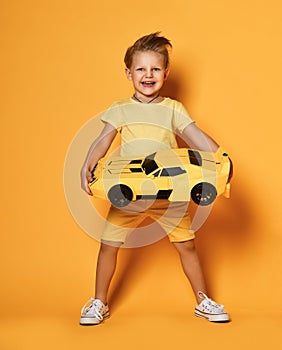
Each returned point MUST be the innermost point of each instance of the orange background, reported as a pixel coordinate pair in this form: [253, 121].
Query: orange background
[61, 64]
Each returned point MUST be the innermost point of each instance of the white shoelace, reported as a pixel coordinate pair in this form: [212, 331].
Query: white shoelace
[210, 302]
[94, 309]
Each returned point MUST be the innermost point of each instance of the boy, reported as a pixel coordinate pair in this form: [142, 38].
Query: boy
[147, 122]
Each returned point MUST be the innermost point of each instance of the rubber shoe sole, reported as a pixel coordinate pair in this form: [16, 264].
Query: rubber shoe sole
[224, 317]
[92, 321]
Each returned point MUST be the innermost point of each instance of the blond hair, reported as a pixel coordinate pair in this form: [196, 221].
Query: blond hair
[152, 42]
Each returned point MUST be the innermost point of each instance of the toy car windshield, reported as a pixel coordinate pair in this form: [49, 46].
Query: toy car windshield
[149, 165]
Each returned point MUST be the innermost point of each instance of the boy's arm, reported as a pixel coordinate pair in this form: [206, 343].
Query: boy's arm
[97, 150]
[196, 138]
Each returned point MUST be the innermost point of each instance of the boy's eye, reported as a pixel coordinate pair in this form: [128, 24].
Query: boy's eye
[140, 69]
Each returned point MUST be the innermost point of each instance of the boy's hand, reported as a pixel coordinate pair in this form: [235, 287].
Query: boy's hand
[97, 150]
[86, 177]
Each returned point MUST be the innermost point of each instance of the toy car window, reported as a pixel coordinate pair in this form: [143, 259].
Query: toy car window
[164, 173]
[195, 157]
[174, 171]
[149, 165]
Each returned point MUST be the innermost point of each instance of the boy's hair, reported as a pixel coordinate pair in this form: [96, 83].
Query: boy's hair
[152, 42]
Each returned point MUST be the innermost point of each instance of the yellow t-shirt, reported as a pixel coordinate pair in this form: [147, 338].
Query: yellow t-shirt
[147, 128]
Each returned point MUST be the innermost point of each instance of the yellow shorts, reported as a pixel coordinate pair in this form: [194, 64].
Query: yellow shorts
[173, 217]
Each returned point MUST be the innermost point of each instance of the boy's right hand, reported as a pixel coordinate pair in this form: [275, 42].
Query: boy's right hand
[86, 178]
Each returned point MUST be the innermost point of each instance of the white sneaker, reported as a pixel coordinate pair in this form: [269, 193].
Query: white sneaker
[94, 312]
[210, 310]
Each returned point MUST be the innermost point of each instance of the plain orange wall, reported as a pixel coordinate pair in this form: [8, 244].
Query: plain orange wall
[61, 64]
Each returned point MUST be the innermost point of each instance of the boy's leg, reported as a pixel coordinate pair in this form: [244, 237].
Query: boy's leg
[191, 266]
[175, 222]
[96, 310]
[206, 308]
[106, 266]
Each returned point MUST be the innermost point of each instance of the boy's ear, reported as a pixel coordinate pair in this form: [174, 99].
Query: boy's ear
[128, 74]
[166, 74]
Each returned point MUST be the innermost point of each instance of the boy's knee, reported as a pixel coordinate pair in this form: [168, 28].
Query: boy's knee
[185, 247]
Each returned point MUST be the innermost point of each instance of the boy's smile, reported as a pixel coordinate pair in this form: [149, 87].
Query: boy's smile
[148, 74]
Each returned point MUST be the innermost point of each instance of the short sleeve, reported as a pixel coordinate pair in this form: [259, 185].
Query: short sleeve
[181, 118]
[113, 116]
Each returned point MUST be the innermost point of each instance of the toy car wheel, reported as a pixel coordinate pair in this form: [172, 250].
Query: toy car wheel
[203, 193]
[120, 195]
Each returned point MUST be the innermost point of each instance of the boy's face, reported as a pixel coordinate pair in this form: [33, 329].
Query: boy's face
[148, 73]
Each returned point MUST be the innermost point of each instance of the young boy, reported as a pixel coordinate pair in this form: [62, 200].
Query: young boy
[147, 123]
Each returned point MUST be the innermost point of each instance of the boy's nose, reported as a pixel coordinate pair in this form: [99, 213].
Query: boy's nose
[149, 73]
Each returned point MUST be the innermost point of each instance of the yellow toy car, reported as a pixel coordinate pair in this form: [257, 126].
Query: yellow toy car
[173, 174]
